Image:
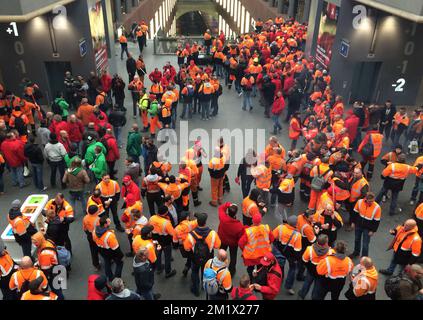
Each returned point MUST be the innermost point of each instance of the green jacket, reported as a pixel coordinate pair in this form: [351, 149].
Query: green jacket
[64, 106]
[99, 166]
[90, 154]
[133, 147]
[154, 109]
[143, 103]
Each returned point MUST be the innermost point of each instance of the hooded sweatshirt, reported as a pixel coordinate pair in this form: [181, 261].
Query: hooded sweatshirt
[144, 275]
[365, 283]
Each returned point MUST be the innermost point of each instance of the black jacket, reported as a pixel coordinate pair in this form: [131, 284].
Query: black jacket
[131, 66]
[144, 275]
[117, 118]
[269, 91]
[387, 117]
[34, 153]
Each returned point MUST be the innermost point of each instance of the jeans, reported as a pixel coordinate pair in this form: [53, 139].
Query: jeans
[147, 295]
[323, 286]
[246, 185]
[17, 176]
[219, 70]
[195, 276]
[308, 282]
[167, 250]
[415, 191]
[276, 124]
[117, 131]
[205, 109]
[78, 196]
[359, 232]
[174, 115]
[214, 104]
[393, 266]
[394, 199]
[37, 175]
[123, 48]
[108, 267]
[246, 102]
[186, 110]
[54, 165]
[290, 278]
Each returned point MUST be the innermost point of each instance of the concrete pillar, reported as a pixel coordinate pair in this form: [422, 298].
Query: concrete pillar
[128, 6]
[291, 8]
[316, 8]
[280, 6]
[118, 11]
[306, 12]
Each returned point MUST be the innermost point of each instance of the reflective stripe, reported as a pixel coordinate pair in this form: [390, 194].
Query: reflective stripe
[106, 238]
[213, 240]
[250, 207]
[328, 266]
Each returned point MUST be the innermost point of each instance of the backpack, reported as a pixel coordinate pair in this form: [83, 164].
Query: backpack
[25, 283]
[55, 108]
[318, 182]
[105, 144]
[368, 148]
[210, 283]
[414, 147]
[392, 286]
[243, 297]
[64, 256]
[20, 125]
[201, 250]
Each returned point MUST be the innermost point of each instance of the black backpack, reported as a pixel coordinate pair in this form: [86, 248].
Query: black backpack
[105, 144]
[20, 125]
[201, 250]
[392, 286]
[368, 148]
[55, 108]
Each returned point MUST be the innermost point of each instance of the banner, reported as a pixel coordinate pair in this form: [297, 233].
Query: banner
[98, 34]
[327, 32]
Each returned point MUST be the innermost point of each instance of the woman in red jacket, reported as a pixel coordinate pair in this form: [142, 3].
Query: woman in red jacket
[230, 231]
[98, 289]
[273, 280]
[277, 109]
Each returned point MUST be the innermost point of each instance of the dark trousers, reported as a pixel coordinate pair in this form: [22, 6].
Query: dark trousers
[135, 99]
[308, 282]
[394, 198]
[113, 209]
[415, 191]
[324, 286]
[52, 284]
[167, 250]
[119, 101]
[26, 246]
[93, 250]
[195, 276]
[246, 185]
[124, 48]
[233, 256]
[5, 290]
[111, 166]
[37, 175]
[108, 260]
[154, 198]
[54, 166]
[361, 233]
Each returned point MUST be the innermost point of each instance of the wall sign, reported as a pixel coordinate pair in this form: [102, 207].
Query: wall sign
[83, 47]
[345, 48]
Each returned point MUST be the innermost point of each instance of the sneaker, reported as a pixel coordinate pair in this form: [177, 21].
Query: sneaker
[385, 272]
[240, 94]
[251, 109]
[384, 198]
[411, 202]
[212, 204]
[200, 189]
[185, 272]
[45, 188]
[291, 292]
[170, 274]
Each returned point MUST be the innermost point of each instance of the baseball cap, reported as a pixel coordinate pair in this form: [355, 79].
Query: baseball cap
[257, 219]
[127, 178]
[146, 230]
[267, 259]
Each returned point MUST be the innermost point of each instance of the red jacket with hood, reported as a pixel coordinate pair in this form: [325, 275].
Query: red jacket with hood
[113, 153]
[93, 293]
[230, 230]
[351, 123]
[13, 152]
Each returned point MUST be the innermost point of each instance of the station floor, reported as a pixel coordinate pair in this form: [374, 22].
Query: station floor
[230, 116]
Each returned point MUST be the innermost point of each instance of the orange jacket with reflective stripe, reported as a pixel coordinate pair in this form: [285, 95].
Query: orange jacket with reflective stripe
[139, 242]
[212, 241]
[47, 256]
[276, 162]
[173, 189]
[6, 265]
[182, 230]
[419, 161]
[264, 178]
[399, 171]
[96, 202]
[356, 187]
[419, 211]
[324, 199]
[249, 207]
[20, 276]
[162, 226]
[108, 190]
[66, 211]
[107, 240]
[258, 242]
[89, 222]
[333, 267]
[19, 224]
[42, 296]
[365, 282]
[310, 255]
[305, 228]
[287, 185]
[401, 119]
[294, 129]
[412, 243]
[372, 212]
[283, 232]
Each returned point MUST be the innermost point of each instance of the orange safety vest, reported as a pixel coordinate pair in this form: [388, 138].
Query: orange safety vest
[42, 296]
[407, 239]
[356, 187]
[399, 171]
[102, 242]
[287, 185]
[264, 180]
[377, 143]
[159, 224]
[366, 212]
[335, 267]
[108, 190]
[258, 242]
[340, 194]
[166, 112]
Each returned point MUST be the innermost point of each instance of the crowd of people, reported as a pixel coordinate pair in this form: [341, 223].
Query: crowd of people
[334, 161]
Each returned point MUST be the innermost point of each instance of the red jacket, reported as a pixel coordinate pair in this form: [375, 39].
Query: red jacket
[278, 85]
[351, 123]
[288, 84]
[75, 131]
[278, 106]
[155, 76]
[56, 127]
[113, 153]
[274, 283]
[241, 292]
[106, 82]
[95, 119]
[93, 293]
[13, 152]
[131, 189]
[230, 230]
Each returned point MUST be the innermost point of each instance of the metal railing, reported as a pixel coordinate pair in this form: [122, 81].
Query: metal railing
[164, 45]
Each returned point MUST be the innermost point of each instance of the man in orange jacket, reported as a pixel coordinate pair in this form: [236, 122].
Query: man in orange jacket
[406, 244]
[364, 284]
